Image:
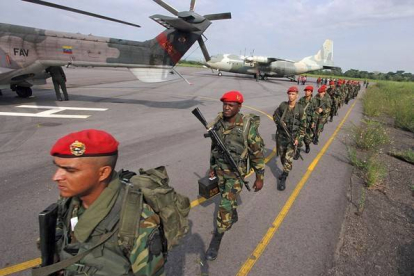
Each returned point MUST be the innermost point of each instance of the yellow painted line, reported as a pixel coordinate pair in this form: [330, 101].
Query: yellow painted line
[20, 267]
[251, 261]
[32, 263]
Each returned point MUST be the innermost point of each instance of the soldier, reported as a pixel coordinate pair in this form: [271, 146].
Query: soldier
[308, 107]
[91, 199]
[335, 96]
[241, 136]
[59, 80]
[322, 110]
[291, 123]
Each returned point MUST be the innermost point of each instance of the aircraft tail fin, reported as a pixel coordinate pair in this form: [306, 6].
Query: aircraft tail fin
[325, 54]
[324, 57]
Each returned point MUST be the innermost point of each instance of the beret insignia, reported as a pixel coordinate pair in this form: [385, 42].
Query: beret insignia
[77, 148]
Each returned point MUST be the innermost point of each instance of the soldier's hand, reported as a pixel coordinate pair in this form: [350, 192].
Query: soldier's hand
[296, 142]
[320, 110]
[258, 185]
[313, 125]
[212, 174]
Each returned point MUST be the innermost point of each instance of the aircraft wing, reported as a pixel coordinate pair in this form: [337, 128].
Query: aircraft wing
[330, 67]
[267, 60]
[281, 59]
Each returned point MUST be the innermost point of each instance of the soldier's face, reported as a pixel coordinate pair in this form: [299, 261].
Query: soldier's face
[230, 109]
[308, 93]
[292, 96]
[76, 176]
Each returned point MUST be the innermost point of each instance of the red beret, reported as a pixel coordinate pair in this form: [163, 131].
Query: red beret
[322, 89]
[309, 87]
[85, 143]
[232, 96]
[331, 83]
[293, 89]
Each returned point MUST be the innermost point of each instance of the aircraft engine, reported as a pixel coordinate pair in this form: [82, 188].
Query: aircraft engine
[259, 59]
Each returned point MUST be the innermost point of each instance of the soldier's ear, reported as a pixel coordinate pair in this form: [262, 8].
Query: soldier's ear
[104, 173]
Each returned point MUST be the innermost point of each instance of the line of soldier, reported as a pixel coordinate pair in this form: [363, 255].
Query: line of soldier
[91, 191]
[303, 120]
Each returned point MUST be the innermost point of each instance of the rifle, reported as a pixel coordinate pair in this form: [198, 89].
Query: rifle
[216, 140]
[47, 225]
[283, 125]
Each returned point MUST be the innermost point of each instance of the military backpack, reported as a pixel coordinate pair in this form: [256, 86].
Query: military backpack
[172, 207]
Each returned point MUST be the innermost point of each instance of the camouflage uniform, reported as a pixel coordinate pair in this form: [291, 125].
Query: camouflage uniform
[335, 95]
[252, 156]
[295, 120]
[325, 103]
[309, 109]
[111, 258]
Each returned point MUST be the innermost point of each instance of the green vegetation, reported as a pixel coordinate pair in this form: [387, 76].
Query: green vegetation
[407, 156]
[392, 99]
[370, 136]
[190, 63]
[400, 75]
[371, 169]
[375, 171]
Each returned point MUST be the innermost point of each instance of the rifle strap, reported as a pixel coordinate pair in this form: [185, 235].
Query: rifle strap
[46, 270]
[246, 129]
[284, 113]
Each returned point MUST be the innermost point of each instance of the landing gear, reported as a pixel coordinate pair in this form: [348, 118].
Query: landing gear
[220, 74]
[22, 91]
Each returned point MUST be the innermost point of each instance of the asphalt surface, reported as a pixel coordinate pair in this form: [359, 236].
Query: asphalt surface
[154, 125]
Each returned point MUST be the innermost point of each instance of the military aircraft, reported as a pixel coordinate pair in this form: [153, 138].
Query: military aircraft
[264, 67]
[26, 52]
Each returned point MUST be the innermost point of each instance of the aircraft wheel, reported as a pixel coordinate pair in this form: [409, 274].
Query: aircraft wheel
[220, 74]
[265, 78]
[23, 92]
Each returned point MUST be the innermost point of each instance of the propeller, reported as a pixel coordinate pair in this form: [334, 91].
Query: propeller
[56, 6]
[191, 15]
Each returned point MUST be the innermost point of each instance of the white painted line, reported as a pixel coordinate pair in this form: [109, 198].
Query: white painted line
[46, 114]
[62, 107]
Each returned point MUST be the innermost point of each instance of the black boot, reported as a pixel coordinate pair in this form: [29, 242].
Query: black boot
[282, 183]
[296, 157]
[331, 119]
[214, 247]
[307, 150]
[315, 140]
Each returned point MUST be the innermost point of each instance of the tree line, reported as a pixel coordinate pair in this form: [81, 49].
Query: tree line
[399, 75]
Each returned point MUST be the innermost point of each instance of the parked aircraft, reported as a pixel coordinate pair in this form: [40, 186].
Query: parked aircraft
[26, 52]
[263, 67]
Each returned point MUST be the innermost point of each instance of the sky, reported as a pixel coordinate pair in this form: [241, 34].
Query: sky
[368, 35]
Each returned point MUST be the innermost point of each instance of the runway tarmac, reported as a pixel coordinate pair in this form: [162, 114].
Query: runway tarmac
[154, 125]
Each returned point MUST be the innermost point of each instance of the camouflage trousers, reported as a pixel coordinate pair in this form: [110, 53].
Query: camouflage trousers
[230, 187]
[321, 123]
[286, 152]
[308, 136]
